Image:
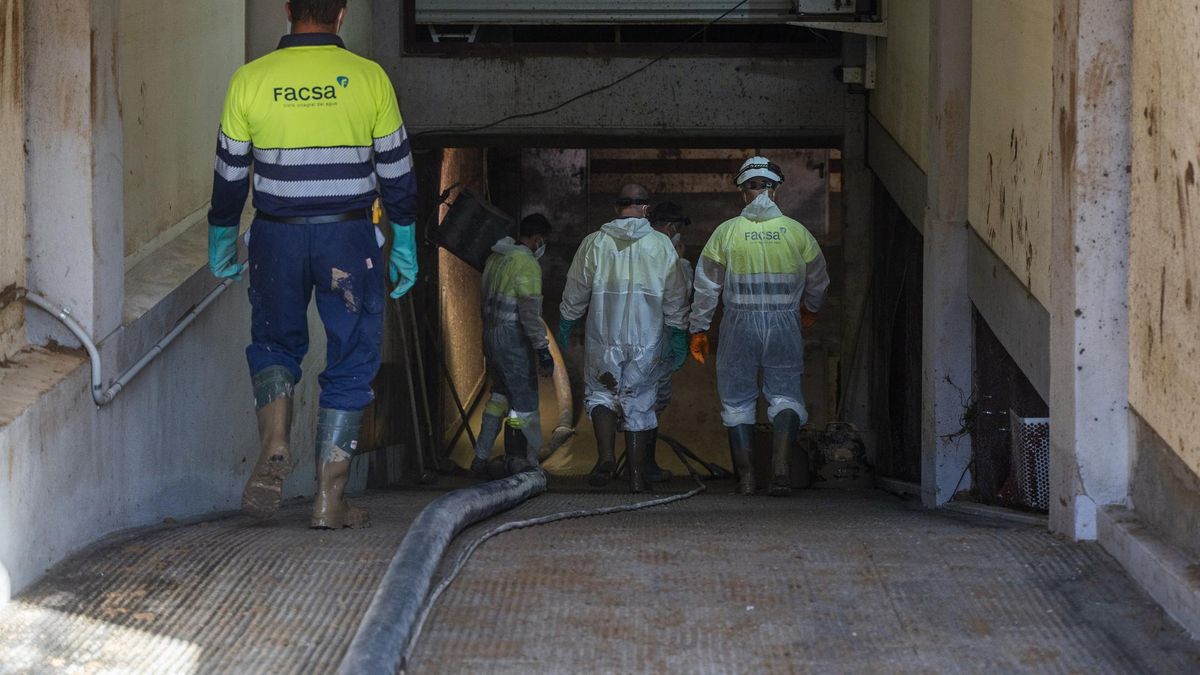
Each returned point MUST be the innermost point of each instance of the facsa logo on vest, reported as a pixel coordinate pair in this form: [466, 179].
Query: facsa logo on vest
[764, 236]
[314, 93]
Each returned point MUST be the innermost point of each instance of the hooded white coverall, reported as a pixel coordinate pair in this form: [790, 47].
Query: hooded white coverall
[626, 279]
[765, 264]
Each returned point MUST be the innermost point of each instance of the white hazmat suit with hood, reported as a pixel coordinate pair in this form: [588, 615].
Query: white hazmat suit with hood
[764, 264]
[625, 277]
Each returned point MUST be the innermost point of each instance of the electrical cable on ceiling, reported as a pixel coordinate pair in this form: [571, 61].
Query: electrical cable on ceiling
[589, 92]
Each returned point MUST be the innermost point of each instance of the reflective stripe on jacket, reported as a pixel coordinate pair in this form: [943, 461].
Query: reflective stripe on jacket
[512, 290]
[323, 131]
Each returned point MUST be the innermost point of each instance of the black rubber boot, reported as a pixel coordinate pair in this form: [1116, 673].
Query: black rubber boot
[741, 438]
[636, 445]
[479, 468]
[786, 424]
[516, 450]
[653, 472]
[604, 423]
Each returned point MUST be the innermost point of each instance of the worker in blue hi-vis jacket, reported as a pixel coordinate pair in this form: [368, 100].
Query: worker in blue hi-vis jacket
[322, 129]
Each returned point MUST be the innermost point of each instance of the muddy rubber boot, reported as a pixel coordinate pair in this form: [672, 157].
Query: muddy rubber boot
[604, 422]
[337, 440]
[741, 438]
[479, 468]
[516, 450]
[654, 473]
[273, 399]
[785, 424]
[636, 445]
[489, 429]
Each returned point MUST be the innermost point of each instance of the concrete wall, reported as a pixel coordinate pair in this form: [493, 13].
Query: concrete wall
[1010, 135]
[901, 100]
[179, 442]
[174, 62]
[181, 439]
[12, 178]
[709, 98]
[1164, 272]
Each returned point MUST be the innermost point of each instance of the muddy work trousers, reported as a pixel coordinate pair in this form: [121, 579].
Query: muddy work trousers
[343, 265]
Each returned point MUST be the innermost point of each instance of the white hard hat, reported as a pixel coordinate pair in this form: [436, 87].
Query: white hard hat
[759, 167]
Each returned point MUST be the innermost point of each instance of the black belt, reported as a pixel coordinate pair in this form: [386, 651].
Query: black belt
[357, 214]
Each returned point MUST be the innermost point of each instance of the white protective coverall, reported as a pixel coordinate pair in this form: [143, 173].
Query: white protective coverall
[765, 264]
[626, 279]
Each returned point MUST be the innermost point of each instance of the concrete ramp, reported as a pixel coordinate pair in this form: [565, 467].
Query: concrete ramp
[824, 582]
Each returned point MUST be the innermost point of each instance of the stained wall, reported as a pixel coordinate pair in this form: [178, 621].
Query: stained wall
[901, 100]
[12, 178]
[1010, 123]
[1164, 269]
[174, 63]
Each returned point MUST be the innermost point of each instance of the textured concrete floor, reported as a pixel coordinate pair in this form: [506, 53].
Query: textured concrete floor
[825, 582]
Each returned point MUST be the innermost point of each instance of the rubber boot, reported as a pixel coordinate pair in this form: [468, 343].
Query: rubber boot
[654, 473]
[516, 449]
[785, 424]
[636, 445]
[489, 429]
[604, 422]
[741, 438]
[337, 439]
[273, 399]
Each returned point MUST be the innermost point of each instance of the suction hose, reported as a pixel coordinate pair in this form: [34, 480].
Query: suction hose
[393, 623]
[384, 633]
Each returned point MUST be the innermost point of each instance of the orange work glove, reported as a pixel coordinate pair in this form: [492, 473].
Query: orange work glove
[699, 345]
[808, 318]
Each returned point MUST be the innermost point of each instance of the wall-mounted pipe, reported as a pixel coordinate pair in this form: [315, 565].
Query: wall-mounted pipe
[103, 396]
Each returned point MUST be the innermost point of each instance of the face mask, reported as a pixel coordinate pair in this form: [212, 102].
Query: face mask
[540, 250]
[676, 238]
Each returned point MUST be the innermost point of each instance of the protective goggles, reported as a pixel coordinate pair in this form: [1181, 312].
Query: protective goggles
[759, 184]
[756, 170]
[631, 201]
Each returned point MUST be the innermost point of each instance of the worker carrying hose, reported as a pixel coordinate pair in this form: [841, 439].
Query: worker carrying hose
[772, 275]
[669, 219]
[515, 346]
[323, 131]
[625, 278]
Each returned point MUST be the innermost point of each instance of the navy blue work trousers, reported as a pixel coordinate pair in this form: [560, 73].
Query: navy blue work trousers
[343, 264]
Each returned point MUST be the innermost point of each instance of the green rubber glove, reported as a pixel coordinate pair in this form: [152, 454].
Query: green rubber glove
[402, 259]
[563, 334]
[222, 253]
[679, 347]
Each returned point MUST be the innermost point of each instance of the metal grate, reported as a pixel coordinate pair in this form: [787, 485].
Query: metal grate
[1031, 459]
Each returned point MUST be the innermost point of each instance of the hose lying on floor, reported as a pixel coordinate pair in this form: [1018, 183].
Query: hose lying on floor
[389, 631]
[384, 632]
[461, 561]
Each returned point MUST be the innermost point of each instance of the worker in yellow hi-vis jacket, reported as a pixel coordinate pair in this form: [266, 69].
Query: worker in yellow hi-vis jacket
[773, 278]
[322, 129]
[516, 347]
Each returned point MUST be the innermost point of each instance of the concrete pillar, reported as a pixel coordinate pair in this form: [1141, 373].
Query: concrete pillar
[74, 166]
[947, 347]
[12, 178]
[1089, 325]
[857, 198]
